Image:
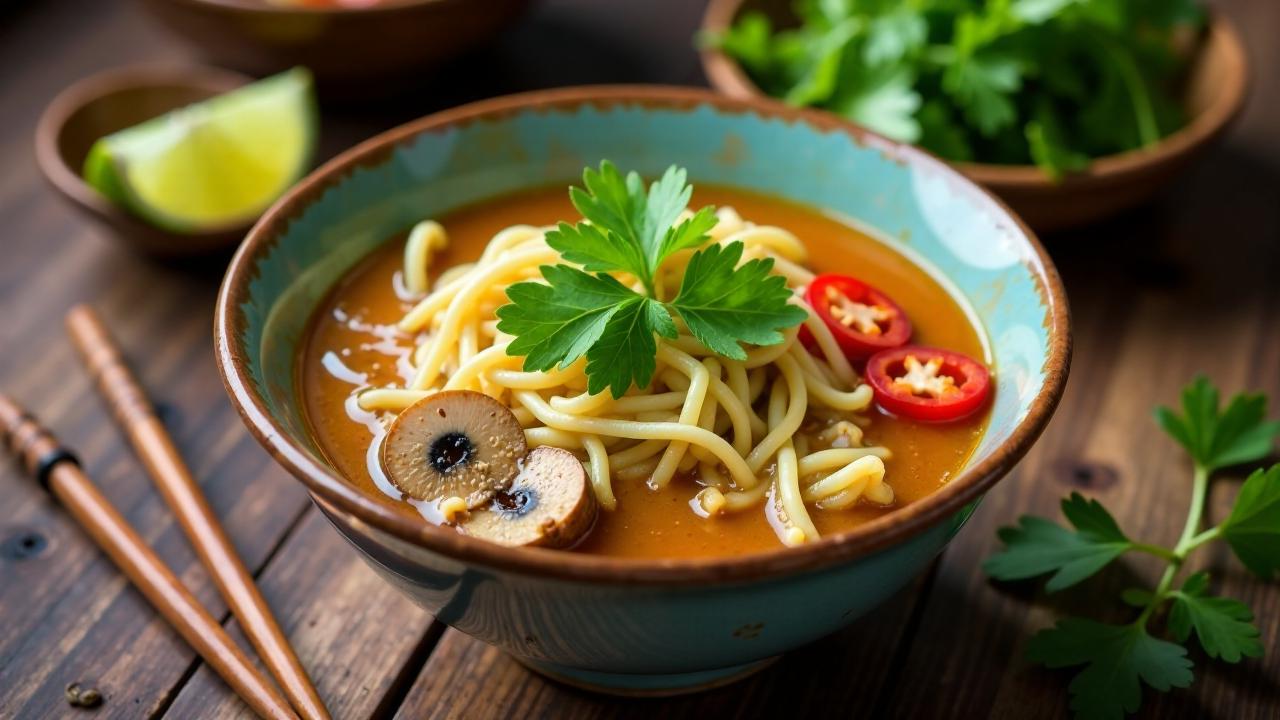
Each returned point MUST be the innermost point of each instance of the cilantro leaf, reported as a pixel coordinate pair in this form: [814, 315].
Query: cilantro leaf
[1223, 625]
[1117, 660]
[893, 36]
[626, 351]
[724, 304]
[1253, 527]
[689, 234]
[881, 98]
[983, 86]
[1238, 434]
[596, 250]
[630, 229]
[1039, 546]
[555, 323]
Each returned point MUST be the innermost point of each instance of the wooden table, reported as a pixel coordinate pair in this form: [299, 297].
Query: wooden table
[1191, 284]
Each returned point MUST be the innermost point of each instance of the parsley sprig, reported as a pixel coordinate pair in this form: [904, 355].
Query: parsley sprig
[1118, 659]
[628, 233]
[1049, 82]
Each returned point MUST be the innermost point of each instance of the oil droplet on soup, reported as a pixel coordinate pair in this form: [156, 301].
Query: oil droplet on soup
[353, 341]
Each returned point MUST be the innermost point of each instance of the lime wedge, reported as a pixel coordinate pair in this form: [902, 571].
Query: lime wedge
[214, 163]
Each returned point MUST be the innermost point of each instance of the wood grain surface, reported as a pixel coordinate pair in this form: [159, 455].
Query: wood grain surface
[1186, 285]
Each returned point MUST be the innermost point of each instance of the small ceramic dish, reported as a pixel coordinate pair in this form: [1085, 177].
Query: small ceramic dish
[357, 50]
[1214, 94]
[637, 626]
[114, 100]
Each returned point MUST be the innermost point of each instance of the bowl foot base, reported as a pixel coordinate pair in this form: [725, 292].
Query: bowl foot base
[640, 685]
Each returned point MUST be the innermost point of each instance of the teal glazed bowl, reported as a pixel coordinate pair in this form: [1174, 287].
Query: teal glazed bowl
[632, 626]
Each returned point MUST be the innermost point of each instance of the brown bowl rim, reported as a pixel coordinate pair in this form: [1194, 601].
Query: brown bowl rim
[92, 89]
[335, 492]
[261, 8]
[727, 76]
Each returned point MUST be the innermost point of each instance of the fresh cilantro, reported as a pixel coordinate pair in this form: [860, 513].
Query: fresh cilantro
[1222, 625]
[1239, 434]
[1054, 82]
[1119, 659]
[725, 303]
[1253, 527]
[630, 231]
[1040, 546]
[1116, 658]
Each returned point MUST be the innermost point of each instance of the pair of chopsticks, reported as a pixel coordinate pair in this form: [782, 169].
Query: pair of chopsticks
[58, 471]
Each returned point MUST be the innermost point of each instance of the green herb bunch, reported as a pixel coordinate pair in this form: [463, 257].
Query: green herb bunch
[1150, 649]
[583, 309]
[1049, 82]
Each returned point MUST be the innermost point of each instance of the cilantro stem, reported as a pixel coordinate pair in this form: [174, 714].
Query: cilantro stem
[1188, 541]
[1160, 552]
[1143, 113]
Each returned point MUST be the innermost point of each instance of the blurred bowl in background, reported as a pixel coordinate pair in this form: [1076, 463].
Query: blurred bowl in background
[354, 51]
[1213, 96]
[113, 100]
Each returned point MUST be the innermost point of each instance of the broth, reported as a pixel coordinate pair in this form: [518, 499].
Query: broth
[352, 342]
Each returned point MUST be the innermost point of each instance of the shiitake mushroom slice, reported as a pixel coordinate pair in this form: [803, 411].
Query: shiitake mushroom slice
[455, 443]
[550, 504]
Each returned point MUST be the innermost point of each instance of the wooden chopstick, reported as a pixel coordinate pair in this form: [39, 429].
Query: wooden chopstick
[135, 415]
[56, 469]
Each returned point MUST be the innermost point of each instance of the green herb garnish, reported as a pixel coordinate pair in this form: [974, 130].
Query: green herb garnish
[722, 301]
[1117, 659]
[1050, 82]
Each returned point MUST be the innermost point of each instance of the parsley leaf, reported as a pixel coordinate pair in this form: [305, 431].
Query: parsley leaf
[1039, 546]
[1117, 660]
[555, 323]
[1215, 440]
[983, 86]
[892, 37]
[725, 304]
[1253, 527]
[1222, 624]
[626, 351]
[883, 98]
[632, 230]
[1106, 70]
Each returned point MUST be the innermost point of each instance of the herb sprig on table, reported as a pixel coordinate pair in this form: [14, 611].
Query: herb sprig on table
[1117, 659]
[1049, 82]
[722, 301]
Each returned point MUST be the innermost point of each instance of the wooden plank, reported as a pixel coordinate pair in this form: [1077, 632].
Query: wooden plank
[67, 615]
[355, 634]
[465, 678]
[1185, 287]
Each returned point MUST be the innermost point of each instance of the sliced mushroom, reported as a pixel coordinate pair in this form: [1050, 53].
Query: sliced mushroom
[550, 504]
[456, 443]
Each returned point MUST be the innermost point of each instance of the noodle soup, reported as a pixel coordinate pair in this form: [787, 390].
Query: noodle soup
[714, 456]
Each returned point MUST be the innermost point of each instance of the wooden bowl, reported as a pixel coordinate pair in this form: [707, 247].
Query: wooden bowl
[352, 51]
[113, 100]
[1214, 93]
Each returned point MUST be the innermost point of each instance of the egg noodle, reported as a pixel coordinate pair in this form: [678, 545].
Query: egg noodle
[700, 418]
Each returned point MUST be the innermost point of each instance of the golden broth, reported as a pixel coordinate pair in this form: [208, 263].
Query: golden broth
[352, 334]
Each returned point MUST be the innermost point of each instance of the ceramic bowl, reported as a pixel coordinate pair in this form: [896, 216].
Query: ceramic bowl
[1213, 95]
[364, 50]
[631, 625]
[114, 100]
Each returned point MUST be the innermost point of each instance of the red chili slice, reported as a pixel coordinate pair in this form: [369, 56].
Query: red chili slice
[928, 384]
[863, 320]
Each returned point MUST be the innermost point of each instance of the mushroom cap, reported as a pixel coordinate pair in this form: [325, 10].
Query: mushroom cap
[454, 443]
[550, 504]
